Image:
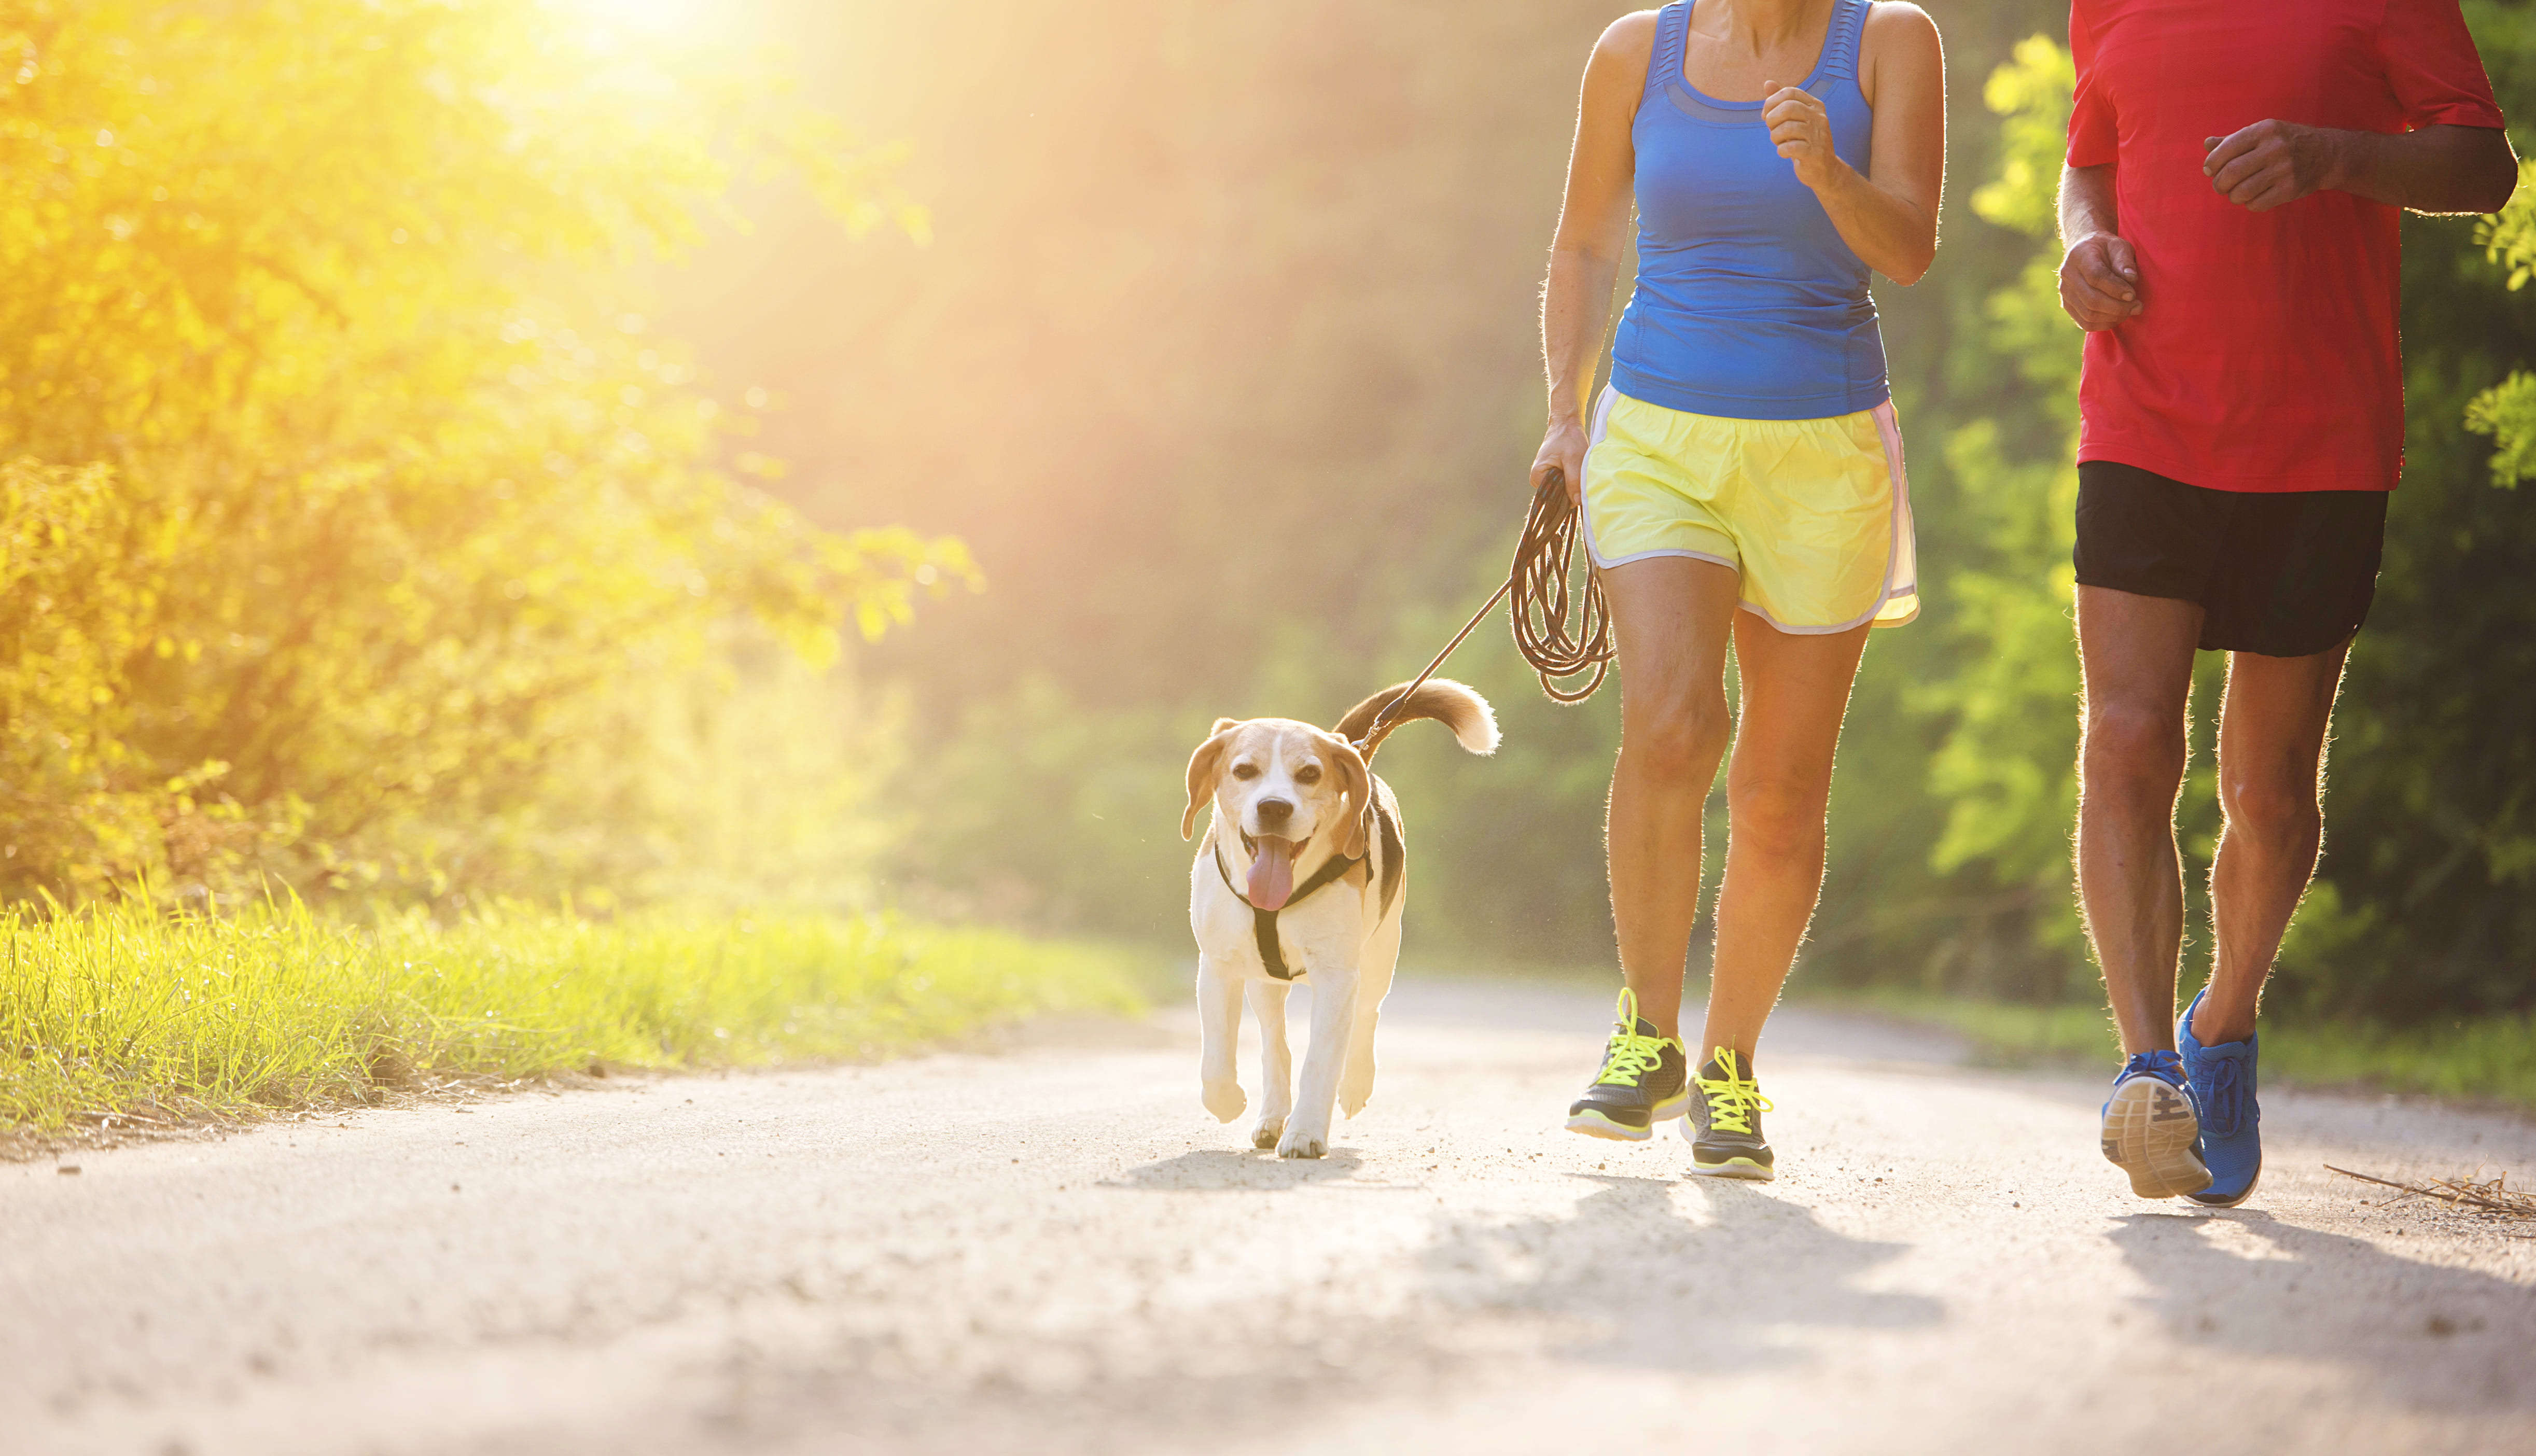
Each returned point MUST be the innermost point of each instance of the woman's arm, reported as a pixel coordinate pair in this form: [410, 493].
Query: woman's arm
[1593, 231]
[1889, 217]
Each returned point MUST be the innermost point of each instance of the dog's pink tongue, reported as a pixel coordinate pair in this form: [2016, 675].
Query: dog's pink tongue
[1272, 873]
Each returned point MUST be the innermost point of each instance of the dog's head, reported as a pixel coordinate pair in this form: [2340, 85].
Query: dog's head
[1282, 784]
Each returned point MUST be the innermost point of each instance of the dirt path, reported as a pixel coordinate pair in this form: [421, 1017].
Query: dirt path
[1057, 1250]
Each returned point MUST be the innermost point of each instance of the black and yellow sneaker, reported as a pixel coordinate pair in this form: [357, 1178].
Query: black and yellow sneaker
[1725, 1130]
[1641, 1084]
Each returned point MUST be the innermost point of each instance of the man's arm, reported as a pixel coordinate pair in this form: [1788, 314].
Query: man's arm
[2434, 170]
[2099, 274]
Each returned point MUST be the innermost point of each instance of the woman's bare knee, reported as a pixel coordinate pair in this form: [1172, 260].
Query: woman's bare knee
[1680, 739]
[1780, 818]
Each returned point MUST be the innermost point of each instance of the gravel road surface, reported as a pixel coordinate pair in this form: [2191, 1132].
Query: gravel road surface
[1054, 1249]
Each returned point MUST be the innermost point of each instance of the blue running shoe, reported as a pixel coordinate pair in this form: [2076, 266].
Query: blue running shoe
[2151, 1127]
[2223, 1083]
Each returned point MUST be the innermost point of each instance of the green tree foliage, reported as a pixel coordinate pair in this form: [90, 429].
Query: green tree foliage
[344, 521]
[2507, 412]
[2003, 769]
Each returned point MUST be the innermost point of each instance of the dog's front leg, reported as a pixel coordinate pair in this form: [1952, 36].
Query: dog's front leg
[1276, 1062]
[1218, 1036]
[1373, 982]
[1334, 993]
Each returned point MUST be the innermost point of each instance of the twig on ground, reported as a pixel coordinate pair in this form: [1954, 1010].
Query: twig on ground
[2492, 1197]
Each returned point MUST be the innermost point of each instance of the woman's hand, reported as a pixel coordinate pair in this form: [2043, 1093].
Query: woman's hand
[1563, 449]
[1801, 127]
[1887, 216]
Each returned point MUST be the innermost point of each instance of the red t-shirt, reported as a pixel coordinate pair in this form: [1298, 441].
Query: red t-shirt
[2266, 356]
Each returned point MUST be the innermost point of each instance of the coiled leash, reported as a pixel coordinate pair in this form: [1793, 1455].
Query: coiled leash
[1540, 583]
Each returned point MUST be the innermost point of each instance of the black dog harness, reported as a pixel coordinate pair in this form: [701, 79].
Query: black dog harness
[1263, 923]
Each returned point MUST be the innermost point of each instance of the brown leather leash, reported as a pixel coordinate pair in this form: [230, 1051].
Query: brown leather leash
[1540, 583]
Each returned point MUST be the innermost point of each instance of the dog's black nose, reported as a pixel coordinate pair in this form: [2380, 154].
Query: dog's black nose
[1274, 811]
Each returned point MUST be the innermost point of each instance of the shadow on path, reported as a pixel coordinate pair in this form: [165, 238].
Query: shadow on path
[1629, 1280]
[1688, 1279]
[1235, 1170]
[2246, 1283]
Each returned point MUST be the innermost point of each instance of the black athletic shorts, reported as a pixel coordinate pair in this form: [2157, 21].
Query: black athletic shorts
[2285, 574]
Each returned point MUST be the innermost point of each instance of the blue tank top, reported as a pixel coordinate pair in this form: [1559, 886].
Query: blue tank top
[1748, 304]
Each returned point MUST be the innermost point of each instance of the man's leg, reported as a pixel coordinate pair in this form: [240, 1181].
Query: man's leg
[1795, 689]
[2136, 654]
[2272, 782]
[1671, 615]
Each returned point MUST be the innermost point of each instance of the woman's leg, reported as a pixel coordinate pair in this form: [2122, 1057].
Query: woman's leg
[1672, 616]
[1794, 690]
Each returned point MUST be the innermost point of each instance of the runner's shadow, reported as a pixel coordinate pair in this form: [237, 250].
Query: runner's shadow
[1231, 1169]
[1637, 1283]
[2411, 1334]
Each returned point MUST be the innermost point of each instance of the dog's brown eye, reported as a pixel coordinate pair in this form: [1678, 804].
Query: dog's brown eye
[1310, 773]
[1245, 771]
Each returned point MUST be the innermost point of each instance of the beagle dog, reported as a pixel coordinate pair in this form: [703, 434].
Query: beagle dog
[1302, 873]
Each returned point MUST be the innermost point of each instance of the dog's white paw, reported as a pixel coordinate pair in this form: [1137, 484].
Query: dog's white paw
[1269, 1131]
[1297, 1144]
[1223, 1099]
[1355, 1092]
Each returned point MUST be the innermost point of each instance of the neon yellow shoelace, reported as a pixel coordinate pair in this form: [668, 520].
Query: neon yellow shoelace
[1733, 1098]
[1630, 1056]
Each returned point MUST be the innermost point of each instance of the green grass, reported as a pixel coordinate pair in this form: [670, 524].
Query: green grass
[2489, 1059]
[122, 1011]
[2003, 1033]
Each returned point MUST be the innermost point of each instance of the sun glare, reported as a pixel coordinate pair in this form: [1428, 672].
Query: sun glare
[643, 17]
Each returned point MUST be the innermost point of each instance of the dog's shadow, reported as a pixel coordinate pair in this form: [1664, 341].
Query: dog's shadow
[1236, 1169]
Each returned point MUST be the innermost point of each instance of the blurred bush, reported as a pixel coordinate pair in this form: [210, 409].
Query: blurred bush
[350, 529]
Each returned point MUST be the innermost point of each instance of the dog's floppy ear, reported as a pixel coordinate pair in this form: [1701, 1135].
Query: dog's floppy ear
[1206, 765]
[1359, 781]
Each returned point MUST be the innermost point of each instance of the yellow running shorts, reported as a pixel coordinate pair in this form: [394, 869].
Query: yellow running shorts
[1813, 514]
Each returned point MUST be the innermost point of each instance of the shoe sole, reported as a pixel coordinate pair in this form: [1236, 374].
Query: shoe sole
[1734, 1167]
[2149, 1131]
[1595, 1125]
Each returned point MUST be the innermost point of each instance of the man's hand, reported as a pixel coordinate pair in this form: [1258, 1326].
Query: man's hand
[2100, 282]
[2268, 164]
[1563, 449]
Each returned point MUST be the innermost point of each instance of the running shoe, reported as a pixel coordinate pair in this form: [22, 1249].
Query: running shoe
[1641, 1083]
[1725, 1132]
[2222, 1078]
[2151, 1126]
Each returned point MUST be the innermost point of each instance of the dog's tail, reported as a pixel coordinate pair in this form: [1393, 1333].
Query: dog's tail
[1447, 702]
